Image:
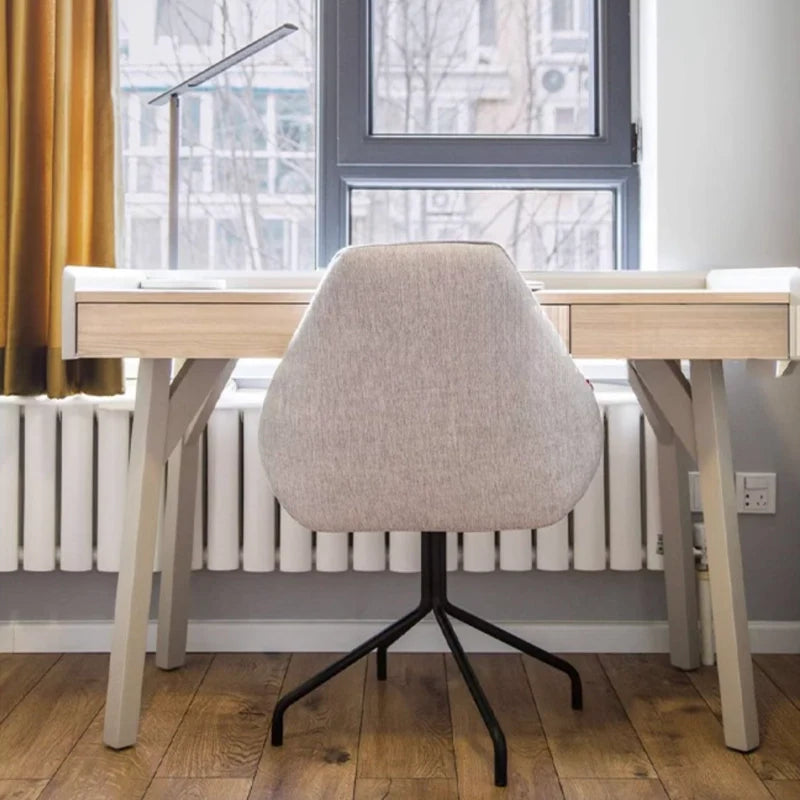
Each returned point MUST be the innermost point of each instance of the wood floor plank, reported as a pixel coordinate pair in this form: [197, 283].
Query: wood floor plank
[784, 670]
[223, 732]
[784, 790]
[406, 789]
[405, 730]
[198, 789]
[42, 729]
[21, 790]
[93, 771]
[597, 742]
[778, 756]
[680, 734]
[613, 789]
[531, 773]
[320, 745]
[19, 673]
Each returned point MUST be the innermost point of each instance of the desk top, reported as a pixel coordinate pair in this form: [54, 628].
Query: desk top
[740, 313]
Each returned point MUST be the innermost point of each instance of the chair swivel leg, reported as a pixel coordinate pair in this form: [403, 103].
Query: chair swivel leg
[425, 605]
[410, 621]
[334, 669]
[525, 647]
[489, 719]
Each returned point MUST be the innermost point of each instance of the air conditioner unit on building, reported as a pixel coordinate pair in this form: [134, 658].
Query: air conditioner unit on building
[445, 202]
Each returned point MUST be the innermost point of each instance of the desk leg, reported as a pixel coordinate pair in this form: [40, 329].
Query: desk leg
[734, 664]
[176, 570]
[679, 572]
[676, 523]
[176, 565]
[135, 580]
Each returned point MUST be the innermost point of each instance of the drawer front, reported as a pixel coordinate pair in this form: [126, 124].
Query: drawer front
[186, 330]
[559, 316]
[680, 331]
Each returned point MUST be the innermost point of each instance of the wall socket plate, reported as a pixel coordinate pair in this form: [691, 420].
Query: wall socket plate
[756, 492]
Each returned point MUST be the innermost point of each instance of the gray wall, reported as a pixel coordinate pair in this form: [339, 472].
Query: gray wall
[720, 187]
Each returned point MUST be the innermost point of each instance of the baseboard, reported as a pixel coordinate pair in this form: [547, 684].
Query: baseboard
[342, 635]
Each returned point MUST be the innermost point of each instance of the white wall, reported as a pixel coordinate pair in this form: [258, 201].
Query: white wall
[720, 104]
[720, 101]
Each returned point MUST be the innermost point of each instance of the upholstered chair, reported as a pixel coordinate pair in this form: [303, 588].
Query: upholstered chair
[426, 390]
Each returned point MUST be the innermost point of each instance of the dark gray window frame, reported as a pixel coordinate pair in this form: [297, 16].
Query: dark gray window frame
[350, 157]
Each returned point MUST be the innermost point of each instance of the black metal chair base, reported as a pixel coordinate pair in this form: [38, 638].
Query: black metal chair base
[434, 599]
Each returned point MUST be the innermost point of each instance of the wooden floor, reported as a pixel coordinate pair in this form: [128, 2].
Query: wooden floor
[647, 732]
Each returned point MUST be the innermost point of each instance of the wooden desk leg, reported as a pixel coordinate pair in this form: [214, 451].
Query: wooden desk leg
[734, 664]
[176, 563]
[679, 572]
[176, 569]
[135, 580]
[676, 523]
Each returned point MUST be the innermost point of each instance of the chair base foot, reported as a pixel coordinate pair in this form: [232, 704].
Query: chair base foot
[434, 599]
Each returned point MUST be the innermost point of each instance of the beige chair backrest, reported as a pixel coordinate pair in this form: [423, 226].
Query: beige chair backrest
[426, 390]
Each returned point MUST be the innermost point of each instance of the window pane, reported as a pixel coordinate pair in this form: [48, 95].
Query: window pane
[540, 228]
[151, 175]
[145, 243]
[272, 242]
[295, 121]
[240, 120]
[247, 144]
[193, 237]
[509, 66]
[232, 245]
[151, 125]
[190, 120]
[186, 21]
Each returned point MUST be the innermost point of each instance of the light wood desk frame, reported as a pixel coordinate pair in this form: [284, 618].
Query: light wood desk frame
[650, 321]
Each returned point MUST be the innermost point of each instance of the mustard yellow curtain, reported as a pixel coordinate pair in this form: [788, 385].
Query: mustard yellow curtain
[56, 184]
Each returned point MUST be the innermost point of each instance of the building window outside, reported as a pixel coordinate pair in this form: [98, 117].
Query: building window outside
[187, 22]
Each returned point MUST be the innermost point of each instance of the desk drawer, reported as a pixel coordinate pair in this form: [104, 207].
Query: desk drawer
[679, 331]
[559, 316]
[186, 330]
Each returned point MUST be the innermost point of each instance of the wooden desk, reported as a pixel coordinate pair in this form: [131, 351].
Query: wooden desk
[651, 319]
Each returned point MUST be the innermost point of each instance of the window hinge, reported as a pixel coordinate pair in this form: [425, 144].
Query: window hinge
[636, 142]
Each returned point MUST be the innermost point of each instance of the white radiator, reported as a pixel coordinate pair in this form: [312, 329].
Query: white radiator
[63, 467]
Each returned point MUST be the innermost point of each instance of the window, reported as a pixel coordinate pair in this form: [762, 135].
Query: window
[190, 120]
[231, 243]
[151, 129]
[294, 121]
[194, 243]
[459, 119]
[188, 22]
[570, 15]
[247, 140]
[145, 241]
[487, 24]
[151, 175]
[426, 53]
[437, 119]
[272, 242]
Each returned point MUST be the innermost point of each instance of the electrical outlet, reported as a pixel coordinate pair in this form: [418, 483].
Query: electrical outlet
[755, 492]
